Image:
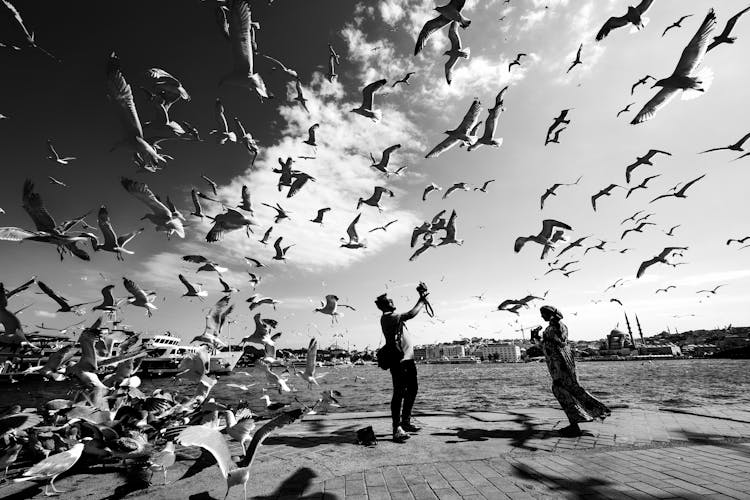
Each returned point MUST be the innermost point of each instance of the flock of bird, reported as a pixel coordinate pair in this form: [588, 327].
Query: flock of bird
[108, 415]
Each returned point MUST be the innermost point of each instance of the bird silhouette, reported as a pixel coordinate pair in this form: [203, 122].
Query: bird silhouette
[676, 24]
[681, 192]
[632, 16]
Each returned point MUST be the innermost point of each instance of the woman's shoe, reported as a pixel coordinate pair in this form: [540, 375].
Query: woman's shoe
[410, 428]
[399, 435]
[571, 431]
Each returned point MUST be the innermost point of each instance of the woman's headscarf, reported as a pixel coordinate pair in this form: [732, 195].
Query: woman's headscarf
[552, 311]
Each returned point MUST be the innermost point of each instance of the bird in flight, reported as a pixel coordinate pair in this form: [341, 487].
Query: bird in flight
[382, 165]
[280, 251]
[676, 24]
[459, 186]
[724, 37]
[351, 233]
[661, 258]
[383, 228]
[555, 137]
[374, 199]
[517, 60]
[643, 160]
[625, 109]
[559, 120]
[642, 81]
[432, 187]
[642, 185]
[446, 14]
[483, 188]
[638, 229]
[405, 79]
[737, 146]
[681, 192]
[738, 240]
[368, 101]
[53, 156]
[456, 52]
[671, 230]
[241, 33]
[713, 290]
[552, 190]
[544, 237]
[684, 77]
[607, 191]
[665, 289]
[460, 134]
[490, 124]
[577, 60]
[633, 16]
[319, 217]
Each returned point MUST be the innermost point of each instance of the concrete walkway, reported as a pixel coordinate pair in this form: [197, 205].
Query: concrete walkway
[672, 453]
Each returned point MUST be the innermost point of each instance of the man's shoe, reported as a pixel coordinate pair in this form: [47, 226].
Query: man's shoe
[399, 435]
[410, 428]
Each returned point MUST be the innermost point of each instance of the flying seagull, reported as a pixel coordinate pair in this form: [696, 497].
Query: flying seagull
[737, 146]
[607, 191]
[642, 185]
[384, 228]
[432, 187]
[280, 251]
[112, 242]
[516, 61]
[405, 79]
[319, 217]
[374, 199]
[483, 187]
[661, 258]
[351, 233]
[632, 16]
[490, 125]
[207, 265]
[461, 133]
[559, 120]
[724, 35]
[231, 220]
[300, 98]
[665, 289]
[643, 160]
[625, 109]
[446, 14]
[53, 156]
[638, 229]
[139, 298]
[311, 140]
[368, 94]
[681, 192]
[193, 290]
[455, 53]
[713, 290]
[247, 140]
[162, 217]
[577, 60]
[382, 165]
[281, 214]
[223, 134]
[676, 24]
[243, 74]
[684, 76]
[61, 301]
[552, 190]
[30, 39]
[544, 237]
[642, 81]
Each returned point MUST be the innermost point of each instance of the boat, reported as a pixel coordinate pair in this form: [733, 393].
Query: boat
[166, 351]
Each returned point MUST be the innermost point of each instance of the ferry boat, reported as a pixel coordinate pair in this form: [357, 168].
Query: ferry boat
[166, 351]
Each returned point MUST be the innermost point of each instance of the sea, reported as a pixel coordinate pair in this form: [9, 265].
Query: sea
[471, 387]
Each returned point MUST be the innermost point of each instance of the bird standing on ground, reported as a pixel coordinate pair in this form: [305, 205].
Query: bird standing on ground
[51, 467]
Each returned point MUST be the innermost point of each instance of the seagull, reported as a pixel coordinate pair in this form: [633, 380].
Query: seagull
[223, 134]
[676, 24]
[405, 79]
[273, 405]
[368, 94]
[681, 192]
[253, 278]
[301, 97]
[280, 252]
[197, 209]
[52, 466]
[53, 156]
[139, 297]
[120, 92]
[555, 138]
[456, 51]
[643, 217]
[632, 16]
[108, 301]
[618, 282]
[737, 240]
[273, 379]
[162, 217]
[254, 262]
[562, 268]
[231, 220]
[516, 61]
[576, 243]
[112, 242]
[617, 301]
[28, 35]
[642, 185]
[382, 165]
[311, 136]
[642, 81]
[665, 289]
[262, 333]
[543, 238]
[309, 375]
[330, 307]
[384, 228]
[374, 199]
[624, 110]
[247, 140]
[737, 146]
[208, 265]
[684, 76]
[319, 217]
[332, 61]
[577, 60]
[213, 442]
[300, 179]
[266, 235]
[243, 74]
[724, 35]
[61, 301]
[607, 191]
[461, 133]
[245, 204]
[285, 177]
[256, 300]
[450, 232]
[226, 288]
[671, 230]
[56, 182]
[281, 214]
[637, 229]
[192, 290]
[559, 120]
[455, 187]
[167, 84]
[351, 232]
[432, 187]
[552, 190]
[598, 246]
[713, 290]
[662, 257]
[490, 125]
[483, 188]
[47, 230]
[279, 65]
[446, 14]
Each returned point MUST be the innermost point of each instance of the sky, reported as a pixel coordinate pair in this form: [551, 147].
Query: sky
[66, 102]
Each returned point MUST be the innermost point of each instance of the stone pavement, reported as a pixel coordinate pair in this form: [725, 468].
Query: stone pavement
[701, 452]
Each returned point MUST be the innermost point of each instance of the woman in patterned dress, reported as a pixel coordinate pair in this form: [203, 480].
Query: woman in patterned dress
[579, 405]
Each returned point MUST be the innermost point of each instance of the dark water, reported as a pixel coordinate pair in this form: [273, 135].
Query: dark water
[674, 383]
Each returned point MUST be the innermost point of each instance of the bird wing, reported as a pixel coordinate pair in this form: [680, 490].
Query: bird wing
[196, 204]
[188, 285]
[195, 259]
[686, 186]
[612, 23]
[729, 26]
[299, 181]
[110, 238]
[141, 191]
[219, 113]
[134, 290]
[34, 206]
[694, 52]
[657, 102]
[443, 146]
[261, 434]
[549, 224]
[118, 89]
[277, 247]
[312, 353]
[351, 231]
[210, 440]
[239, 31]
[490, 124]
[387, 153]
[470, 118]
[643, 6]
[368, 93]
[453, 36]
[645, 265]
[51, 294]
[14, 234]
[428, 29]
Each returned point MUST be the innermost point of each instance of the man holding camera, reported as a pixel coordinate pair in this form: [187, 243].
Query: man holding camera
[403, 372]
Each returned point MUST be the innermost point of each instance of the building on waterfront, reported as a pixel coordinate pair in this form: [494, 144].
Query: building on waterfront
[617, 343]
[502, 351]
[699, 350]
[438, 351]
[733, 342]
[420, 353]
[659, 350]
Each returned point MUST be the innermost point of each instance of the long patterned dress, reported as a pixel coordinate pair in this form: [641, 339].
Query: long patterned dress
[579, 405]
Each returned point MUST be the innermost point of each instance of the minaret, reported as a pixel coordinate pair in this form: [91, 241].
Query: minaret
[640, 332]
[630, 330]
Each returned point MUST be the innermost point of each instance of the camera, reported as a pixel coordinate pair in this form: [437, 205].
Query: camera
[422, 288]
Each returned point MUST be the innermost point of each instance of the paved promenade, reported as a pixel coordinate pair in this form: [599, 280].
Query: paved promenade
[696, 453]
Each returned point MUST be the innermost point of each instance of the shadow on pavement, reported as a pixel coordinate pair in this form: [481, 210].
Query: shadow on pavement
[295, 485]
[344, 435]
[518, 437]
[590, 487]
[716, 440]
